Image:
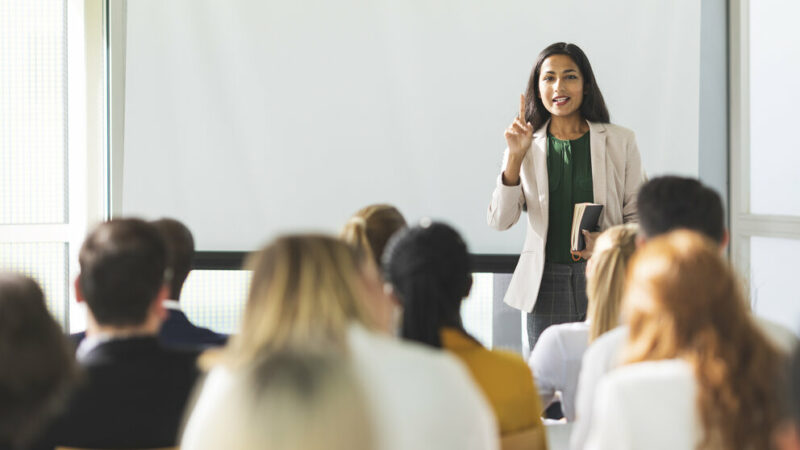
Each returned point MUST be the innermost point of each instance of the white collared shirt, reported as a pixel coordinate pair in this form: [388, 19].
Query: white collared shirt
[556, 363]
[89, 343]
[173, 305]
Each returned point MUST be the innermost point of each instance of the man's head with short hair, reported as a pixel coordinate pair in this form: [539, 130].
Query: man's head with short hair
[180, 252]
[670, 202]
[122, 271]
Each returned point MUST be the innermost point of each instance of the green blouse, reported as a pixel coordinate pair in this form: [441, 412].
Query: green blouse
[569, 170]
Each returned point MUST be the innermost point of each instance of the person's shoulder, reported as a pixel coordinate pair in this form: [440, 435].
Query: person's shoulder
[177, 330]
[218, 378]
[395, 374]
[606, 348]
[564, 330]
[179, 358]
[566, 338]
[620, 131]
[421, 366]
[379, 348]
[663, 382]
[611, 338]
[651, 372]
[506, 364]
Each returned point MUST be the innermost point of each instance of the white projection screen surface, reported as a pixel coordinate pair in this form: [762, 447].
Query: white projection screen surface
[247, 118]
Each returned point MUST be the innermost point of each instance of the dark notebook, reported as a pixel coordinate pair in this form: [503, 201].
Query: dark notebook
[585, 217]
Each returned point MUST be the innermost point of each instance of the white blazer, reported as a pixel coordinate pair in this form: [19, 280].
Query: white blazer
[616, 176]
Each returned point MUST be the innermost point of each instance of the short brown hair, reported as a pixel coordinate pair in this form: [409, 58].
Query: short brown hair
[180, 252]
[122, 269]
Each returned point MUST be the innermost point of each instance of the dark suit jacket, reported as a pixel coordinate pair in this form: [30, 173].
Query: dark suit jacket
[177, 332]
[133, 395]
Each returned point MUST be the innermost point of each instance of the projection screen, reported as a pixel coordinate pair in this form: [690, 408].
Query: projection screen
[248, 118]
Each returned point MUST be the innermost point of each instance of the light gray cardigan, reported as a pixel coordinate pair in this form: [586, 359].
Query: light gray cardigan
[616, 176]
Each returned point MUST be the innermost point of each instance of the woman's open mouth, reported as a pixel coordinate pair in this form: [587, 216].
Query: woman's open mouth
[560, 101]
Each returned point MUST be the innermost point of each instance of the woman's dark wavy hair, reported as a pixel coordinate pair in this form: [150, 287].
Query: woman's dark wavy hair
[429, 268]
[593, 107]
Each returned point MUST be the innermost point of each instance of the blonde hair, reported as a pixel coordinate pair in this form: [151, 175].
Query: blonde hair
[684, 301]
[290, 401]
[305, 292]
[370, 228]
[604, 287]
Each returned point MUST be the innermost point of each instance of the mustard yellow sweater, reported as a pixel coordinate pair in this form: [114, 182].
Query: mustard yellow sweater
[505, 380]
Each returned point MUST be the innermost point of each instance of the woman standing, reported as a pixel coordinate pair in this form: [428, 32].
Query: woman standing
[562, 150]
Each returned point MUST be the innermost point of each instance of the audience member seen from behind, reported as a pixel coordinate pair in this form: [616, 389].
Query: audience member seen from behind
[177, 330]
[556, 358]
[429, 270]
[368, 231]
[665, 204]
[135, 389]
[36, 359]
[787, 436]
[697, 374]
[291, 401]
[308, 293]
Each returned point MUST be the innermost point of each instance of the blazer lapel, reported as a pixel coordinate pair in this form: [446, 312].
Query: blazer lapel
[539, 160]
[597, 142]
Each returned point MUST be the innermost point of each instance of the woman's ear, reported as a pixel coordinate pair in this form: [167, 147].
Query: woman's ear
[469, 285]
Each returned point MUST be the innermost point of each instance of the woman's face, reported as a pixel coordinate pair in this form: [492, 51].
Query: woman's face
[561, 86]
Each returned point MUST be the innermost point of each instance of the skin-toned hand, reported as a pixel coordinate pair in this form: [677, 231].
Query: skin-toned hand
[590, 239]
[518, 138]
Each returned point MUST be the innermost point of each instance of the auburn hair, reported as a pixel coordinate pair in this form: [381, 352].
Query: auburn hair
[684, 301]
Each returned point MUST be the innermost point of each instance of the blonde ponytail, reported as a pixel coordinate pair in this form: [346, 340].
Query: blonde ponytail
[605, 286]
[370, 228]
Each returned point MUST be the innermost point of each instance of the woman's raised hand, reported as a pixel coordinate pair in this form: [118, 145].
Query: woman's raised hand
[520, 133]
[518, 137]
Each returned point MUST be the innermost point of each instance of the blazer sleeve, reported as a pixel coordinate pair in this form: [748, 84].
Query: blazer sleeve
[506, 205]
[634, 178]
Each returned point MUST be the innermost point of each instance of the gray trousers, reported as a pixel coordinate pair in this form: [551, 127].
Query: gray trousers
[562, 298]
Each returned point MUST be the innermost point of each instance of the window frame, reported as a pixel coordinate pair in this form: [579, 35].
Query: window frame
[744, 224]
